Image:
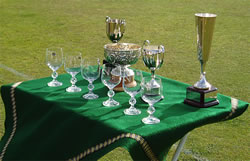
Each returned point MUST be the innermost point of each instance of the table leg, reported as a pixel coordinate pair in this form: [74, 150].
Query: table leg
[179, 147]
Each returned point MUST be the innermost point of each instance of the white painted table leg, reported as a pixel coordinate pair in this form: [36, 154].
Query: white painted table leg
[179, 148]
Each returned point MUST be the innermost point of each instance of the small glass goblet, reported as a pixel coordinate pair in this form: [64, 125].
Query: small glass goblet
[90, 70]
[151, 95]
[54, 59]
[132, 88]
[72, 65]
[110, 80]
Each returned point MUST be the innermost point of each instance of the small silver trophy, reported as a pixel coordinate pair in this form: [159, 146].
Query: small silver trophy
[200, 93]
[153, 56]
[115, 29]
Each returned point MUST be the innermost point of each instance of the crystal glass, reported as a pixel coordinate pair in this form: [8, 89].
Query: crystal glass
[90, 70]
[54, 59]
[153, 56]
[151, 95]
[72, 65]
[132, 90]
[110, 80]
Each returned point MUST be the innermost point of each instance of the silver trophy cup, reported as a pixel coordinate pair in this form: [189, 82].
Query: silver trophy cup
[115, 29]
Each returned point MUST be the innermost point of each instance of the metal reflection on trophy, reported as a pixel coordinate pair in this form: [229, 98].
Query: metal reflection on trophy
[115, 29]
[205, 27]
[153, 56]
[200, 93]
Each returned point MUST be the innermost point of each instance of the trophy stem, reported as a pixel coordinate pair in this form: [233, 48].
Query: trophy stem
[123, 73]
[202, 83]
[202, 67]
[153, 74]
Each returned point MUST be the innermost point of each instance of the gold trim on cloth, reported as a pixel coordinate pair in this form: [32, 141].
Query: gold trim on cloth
[234, 103]
[145, 146]
[14, 115]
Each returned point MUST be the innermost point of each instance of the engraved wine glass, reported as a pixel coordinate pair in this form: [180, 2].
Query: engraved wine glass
[54, 59]
[110, 80]
[72, 65]
[151, 95]
[90, 70]
[132, 90]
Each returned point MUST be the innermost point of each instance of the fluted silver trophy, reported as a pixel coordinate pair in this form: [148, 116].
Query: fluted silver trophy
[203, 94]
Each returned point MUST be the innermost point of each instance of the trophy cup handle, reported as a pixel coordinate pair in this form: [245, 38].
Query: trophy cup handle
[107, 19]
[161, 48]
[145, 43]
[123, 22]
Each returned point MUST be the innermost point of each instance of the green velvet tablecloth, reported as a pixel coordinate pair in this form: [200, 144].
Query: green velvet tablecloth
[47, 123]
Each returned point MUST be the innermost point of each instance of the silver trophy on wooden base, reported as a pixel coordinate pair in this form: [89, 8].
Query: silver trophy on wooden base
[203, 94]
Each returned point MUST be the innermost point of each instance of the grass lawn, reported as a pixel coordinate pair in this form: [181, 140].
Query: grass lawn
[28, 27]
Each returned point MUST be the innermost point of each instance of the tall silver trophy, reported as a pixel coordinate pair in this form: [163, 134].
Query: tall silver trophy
[203, 94]
[120, 54]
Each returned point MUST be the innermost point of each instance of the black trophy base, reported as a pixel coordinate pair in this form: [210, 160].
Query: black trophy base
[201, 98]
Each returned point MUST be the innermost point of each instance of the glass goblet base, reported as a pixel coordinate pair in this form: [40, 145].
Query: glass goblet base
[73, 89]
[150, 120]
[90, 96]
[55, 83]
[132, 111]
[110, 103]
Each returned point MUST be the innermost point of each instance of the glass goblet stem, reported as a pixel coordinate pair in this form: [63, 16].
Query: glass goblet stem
[111, 94]
[54, 75]
[73, 81]
[151, 110]
[91, 87]
[132, 102]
